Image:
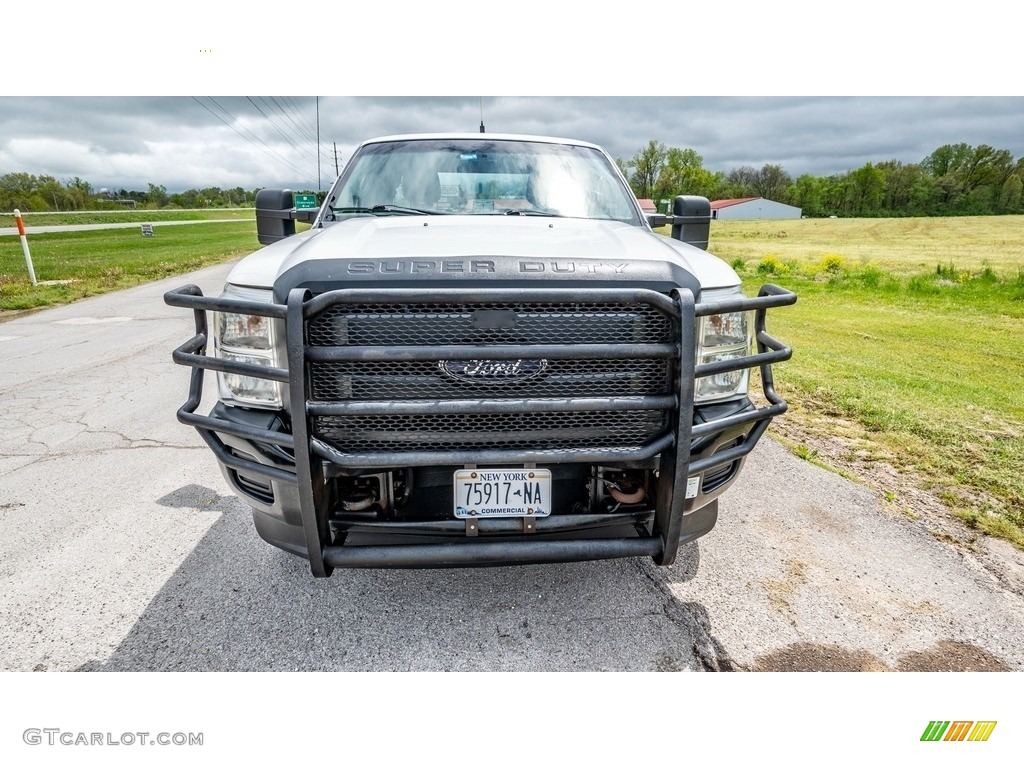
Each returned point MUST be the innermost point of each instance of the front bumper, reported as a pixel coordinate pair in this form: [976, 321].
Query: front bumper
[281, 468]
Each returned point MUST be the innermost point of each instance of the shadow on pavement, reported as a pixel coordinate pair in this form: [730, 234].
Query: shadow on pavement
[236, 603]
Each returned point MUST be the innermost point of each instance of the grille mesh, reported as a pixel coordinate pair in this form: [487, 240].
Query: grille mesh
[425, 324]
[594, 430]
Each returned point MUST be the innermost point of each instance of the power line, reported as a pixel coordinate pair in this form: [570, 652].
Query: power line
[298, 126]
[296, 141]
[300, 130]
[274, 125]
[251, 138]
[309, 126]
[254, 138]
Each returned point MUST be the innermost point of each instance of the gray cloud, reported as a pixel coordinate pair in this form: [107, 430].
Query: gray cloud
[183, 142]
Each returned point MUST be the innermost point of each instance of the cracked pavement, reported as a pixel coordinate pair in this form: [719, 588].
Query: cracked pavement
[122, 548]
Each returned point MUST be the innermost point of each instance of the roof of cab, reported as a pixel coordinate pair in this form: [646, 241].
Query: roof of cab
[478, 136]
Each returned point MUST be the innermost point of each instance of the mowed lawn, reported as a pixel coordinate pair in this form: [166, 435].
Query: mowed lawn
[126, 216]
[908, 344]
[903, 247]
[80, 264]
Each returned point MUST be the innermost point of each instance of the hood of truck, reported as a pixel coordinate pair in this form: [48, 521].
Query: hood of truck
[409, 250]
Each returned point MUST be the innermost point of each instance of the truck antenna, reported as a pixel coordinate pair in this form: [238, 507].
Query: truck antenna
[482, 114]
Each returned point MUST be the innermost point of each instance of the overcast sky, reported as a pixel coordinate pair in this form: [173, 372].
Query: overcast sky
[182, 142]
[701, 52]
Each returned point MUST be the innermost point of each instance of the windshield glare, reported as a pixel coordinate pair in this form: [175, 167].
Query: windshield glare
[485, 177]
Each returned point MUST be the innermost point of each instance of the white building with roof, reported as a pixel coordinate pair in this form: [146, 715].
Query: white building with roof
[753, 208]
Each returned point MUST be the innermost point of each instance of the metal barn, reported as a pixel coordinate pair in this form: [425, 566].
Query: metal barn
[753, 208]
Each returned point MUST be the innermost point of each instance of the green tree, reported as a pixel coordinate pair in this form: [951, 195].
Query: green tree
[834, 195]
[645, 167]
[944, 164]
[190, 198]
[925, 196]
[79, 193]
[771, 182]
[1010, 194]
[807, 193]
[866, 190]
[970, 179]
[741, 181]
[157, 195]
[900, 179]
[53, 193]
[684, 174]
[986, 166]
[16, 189]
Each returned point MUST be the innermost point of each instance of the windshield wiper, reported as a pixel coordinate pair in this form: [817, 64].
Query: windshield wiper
[350, 209]
[402, 209]
[382, 208]
[529, 212]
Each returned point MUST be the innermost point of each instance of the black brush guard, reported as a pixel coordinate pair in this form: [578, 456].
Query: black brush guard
[310, 453]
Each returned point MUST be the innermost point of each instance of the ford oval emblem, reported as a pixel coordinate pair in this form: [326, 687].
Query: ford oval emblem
[492, 371]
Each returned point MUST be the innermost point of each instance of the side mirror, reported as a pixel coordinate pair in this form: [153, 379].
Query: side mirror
[274, 215]
[691, 220]
[655, 220]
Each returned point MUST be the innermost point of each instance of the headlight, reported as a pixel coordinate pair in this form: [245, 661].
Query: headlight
[248, 339]
[244, 331]
[723, 337]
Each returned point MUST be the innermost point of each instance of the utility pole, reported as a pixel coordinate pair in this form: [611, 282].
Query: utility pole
[335, 159]
[319, 186]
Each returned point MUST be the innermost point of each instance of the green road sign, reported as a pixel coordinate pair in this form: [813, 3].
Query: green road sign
[305, 201]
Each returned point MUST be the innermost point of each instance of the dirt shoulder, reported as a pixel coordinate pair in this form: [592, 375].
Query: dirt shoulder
[841, 447]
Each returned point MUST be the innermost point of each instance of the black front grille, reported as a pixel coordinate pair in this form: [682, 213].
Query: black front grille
[426, 324]
[488, 326]
[594, 430]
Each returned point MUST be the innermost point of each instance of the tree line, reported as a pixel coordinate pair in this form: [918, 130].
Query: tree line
[954, 180]
[30, 194]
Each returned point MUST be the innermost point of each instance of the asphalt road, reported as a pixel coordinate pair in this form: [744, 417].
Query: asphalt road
[31, 229]
[121, 548]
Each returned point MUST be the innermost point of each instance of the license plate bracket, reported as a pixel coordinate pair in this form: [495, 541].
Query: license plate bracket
[504, 492]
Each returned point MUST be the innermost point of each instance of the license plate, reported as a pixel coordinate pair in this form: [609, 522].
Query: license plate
[502, 492]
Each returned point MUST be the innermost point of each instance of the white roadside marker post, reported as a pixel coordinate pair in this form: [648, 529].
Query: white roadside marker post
[24, 245]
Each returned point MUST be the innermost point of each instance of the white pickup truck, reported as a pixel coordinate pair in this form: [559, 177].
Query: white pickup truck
[480, 353]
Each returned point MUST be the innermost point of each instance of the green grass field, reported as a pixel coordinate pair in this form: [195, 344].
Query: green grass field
[106, 260]
[901, 247]
[124, 216]
[908, 346]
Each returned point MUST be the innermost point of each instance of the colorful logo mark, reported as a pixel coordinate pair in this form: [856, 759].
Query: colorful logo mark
[958, 730]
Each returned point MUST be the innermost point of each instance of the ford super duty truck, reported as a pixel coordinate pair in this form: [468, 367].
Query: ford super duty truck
[479, 352]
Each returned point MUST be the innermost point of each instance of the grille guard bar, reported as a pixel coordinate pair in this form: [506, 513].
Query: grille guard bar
[673, 445]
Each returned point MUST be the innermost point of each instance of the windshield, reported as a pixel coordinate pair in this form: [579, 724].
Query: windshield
[482, 177]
